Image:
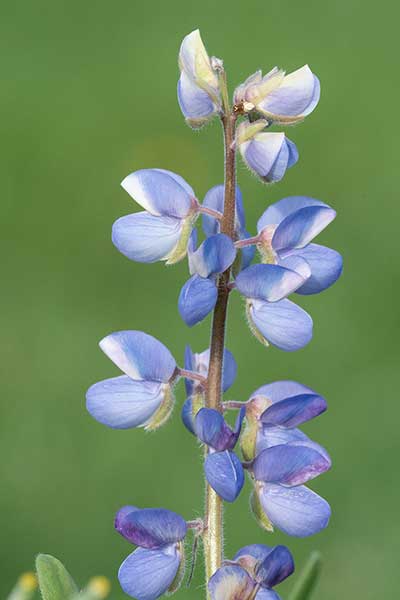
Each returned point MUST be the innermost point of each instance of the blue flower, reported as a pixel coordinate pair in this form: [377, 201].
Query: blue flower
[267, 154]
[162, 230]
[198, 87]
[274, 412]
[285, 231]
[223, 469]
[155, 566]
[199, 362]
[143, 397]
[280, 472]
[214, 199]
[199, 294]
[282, 99]
[255, 570]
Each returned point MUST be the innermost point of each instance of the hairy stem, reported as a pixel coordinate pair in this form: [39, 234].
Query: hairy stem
[213, 533]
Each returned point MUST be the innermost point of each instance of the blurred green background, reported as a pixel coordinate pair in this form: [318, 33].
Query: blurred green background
[88, 95]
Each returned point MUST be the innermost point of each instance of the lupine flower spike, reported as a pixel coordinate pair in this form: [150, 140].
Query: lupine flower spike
[263, 440]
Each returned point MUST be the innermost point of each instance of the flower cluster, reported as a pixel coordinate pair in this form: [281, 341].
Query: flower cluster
[265, 269]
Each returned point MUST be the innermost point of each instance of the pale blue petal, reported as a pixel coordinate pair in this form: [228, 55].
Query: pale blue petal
[160, 192]
[230, 582]
[279, 390]
[283, 323]
[274, 436]
[139, 355]
[289, 464]
[297, 511]
[298, 229]
[294, 262]
[224, 472]
[147, 574]
[325, 265]
[196, 105]
[215, 199]
[215, 255]
[261, 152]
[188, 364]
[283, 208]
[267, 282]
[197, 299]
[297, 95]
[145, 238]
[267, 594]
[122, 403]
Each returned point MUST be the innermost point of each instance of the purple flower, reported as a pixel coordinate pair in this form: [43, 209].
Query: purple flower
[162, 230]
[143, 397]
[153, 568]
[198, 296]
[283, 99]
[267, 154]
[285, 231]
[198, 88]
[255, 570]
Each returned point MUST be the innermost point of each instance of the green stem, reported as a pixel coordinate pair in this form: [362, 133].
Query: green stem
[213, 533]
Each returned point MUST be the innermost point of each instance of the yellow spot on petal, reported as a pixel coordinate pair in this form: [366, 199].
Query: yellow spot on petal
[99, 586]
[28, 581]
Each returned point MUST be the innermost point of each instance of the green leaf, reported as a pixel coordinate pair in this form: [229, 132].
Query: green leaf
[54, 580]
[308, 578]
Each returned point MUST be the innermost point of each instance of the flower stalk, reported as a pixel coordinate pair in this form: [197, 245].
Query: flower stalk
[213, 533]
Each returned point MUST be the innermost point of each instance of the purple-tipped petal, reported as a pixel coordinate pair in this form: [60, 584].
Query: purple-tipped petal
[224, 472]
[160, 192]
[147, 574]
[122, 513]
[212, 429]
[215, 199]
[230, 582]
[293, 411]
[279, 390]
[145, 238]
[283, 323]
[276, 567]
[278, 211]
[122, 403]
[289, 464]
[297, 511]
[195, 104]
[197, 299]
[267, 282]
[325, 267]
[214, 255]
[139, 355]
[298, 229]
[296, 96]
[152, 527]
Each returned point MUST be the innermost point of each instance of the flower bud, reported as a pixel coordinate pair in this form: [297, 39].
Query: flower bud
[198, 87]
[268, 155]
